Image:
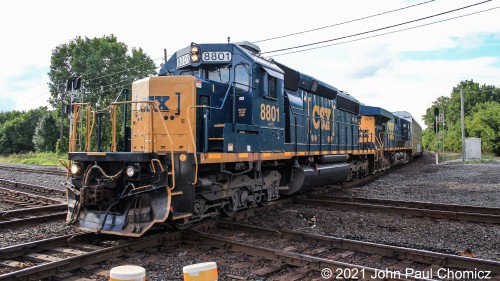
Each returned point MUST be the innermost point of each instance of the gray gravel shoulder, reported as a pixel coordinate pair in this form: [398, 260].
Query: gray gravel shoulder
[381, 227]
[25, 234]
[421, 180]
[463, 184]
[48, 180]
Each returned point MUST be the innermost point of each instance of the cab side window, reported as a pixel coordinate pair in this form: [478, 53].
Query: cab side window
[272, 86]
[242, 78]
[272, 89]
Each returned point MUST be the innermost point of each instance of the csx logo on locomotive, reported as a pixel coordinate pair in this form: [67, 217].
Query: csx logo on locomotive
[321, 116]
[161, 104]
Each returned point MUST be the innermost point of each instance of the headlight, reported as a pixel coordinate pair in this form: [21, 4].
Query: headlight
[130, 171]
[75, 169]
[195, 53]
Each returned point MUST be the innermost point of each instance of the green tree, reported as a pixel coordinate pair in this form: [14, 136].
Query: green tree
[484, 123]
[441, 103]
[105, 67]
[428, 139]
[480, 103]
[16, 133]
[46, 134]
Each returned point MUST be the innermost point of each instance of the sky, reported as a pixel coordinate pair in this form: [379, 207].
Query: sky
[404, 70]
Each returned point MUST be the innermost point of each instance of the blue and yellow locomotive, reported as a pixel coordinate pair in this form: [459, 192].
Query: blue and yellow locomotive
[223, 129]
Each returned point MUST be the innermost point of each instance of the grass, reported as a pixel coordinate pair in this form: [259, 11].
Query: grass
[486, 158]
[483, 161]
[42, 158]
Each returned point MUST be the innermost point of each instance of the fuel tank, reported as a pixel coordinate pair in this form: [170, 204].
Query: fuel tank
[307, 177]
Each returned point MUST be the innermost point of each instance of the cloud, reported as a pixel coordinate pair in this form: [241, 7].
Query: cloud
[24, 89]
[412, 85]
[27, 78]
[7, 103]
[471, 40]
[401, 71]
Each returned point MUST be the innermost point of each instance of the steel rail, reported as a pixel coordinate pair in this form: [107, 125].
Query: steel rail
[32, 211]
[412, 211]
[32, 215]
[50, 171]
[28, 197]
[414, 255]
[290, 258]
[33, 187]
[90, 255]
[32, 219]
[413, 204]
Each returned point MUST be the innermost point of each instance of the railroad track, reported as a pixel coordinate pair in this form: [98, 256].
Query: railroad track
[302, 253]
[26, 199]
[33, 188]
[57, 256]
[411, 208]
[49, 171]
[336, 255]
[32, 215]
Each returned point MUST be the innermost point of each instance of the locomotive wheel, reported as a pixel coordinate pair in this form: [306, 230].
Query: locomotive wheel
[227, 211]
[182, 224]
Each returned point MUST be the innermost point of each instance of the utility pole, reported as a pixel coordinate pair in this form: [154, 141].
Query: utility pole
[443, 135]
[462, 121]
[72, 84]
[61, 133]
[436, 131]
[69, 91]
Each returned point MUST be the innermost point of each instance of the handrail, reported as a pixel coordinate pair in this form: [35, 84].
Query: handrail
[153, 106]
[223, 101]
[195, 181]
[76, 111]
[72, 140]
[113, 118]
[89, 132]
[172, 162]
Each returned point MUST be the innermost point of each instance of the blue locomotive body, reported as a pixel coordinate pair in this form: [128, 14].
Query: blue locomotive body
[223, 129]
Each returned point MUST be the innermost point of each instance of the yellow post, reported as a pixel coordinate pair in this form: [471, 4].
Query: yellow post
[89, 129]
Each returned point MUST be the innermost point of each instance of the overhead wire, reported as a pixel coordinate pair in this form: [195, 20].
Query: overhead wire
[121, 71]
[320, 42]
[377, 29]
[387, 33]
[344, 22]
[31, 100]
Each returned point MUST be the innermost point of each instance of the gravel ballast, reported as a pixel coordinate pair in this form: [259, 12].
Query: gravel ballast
[470, 184]
[461, 184]
[421, 180]
[47, 180]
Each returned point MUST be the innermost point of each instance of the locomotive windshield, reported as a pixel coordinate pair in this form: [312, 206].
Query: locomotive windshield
[222, 74]
[219, 74]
